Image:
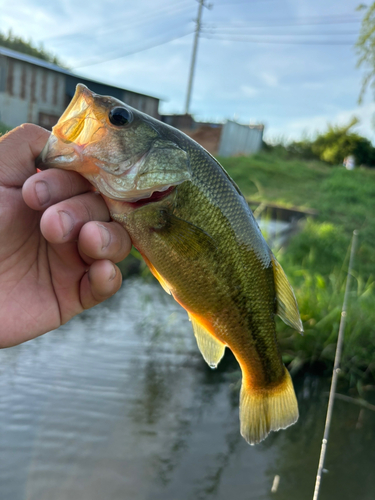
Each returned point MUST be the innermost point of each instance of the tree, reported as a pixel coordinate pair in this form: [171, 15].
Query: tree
[365, 48]
[339, 142]
[17, 43]
[334, 144]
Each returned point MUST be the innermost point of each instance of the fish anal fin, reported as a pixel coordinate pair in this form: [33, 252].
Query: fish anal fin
[265, 410]
[158, 276]
[212, 349]
[287, 307]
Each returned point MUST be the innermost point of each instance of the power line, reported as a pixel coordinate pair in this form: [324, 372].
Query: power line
[233, 2]
[267, 23]
[239, 33]
[140, 21]
[120, 56]
[290, 42]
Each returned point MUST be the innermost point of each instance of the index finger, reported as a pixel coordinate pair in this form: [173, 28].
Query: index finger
[18, 151]
[46, 188]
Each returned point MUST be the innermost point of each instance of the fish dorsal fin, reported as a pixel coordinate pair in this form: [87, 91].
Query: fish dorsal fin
[158, 276]
[287, 307]
[212, 349]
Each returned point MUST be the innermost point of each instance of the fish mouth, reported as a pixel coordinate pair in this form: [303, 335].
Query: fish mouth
[83, 140]
[81, 122]
[80, 125]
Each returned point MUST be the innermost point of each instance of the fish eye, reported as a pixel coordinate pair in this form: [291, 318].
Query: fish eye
[120, 117]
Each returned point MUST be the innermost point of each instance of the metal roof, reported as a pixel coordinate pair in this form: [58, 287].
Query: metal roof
[33, 60]
[53, 67]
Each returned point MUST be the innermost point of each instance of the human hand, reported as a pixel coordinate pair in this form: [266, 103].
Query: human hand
[57, 244]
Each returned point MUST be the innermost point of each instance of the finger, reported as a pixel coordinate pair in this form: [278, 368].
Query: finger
[103, 240]
[101, 281]
[18, 151]
[46, 188]
[62, 222]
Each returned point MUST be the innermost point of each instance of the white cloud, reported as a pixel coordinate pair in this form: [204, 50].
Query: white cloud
[296, 129]
[249, 91]
[269, 79]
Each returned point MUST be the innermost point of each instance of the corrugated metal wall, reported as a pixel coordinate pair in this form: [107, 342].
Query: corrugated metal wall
[239, 139]
[29, 93]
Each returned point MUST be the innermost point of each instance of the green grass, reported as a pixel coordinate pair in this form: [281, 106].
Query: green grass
[3, 128]
[345, 200]
[316, 259]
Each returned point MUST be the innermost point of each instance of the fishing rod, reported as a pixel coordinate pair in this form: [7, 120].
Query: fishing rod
[336, 370]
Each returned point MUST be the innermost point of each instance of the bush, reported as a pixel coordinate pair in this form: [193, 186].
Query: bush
[331, 147]
[338, 142]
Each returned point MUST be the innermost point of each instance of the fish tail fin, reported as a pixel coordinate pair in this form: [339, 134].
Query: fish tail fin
[267, 409]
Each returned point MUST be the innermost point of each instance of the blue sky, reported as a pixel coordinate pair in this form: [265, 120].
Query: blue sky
[289, 64]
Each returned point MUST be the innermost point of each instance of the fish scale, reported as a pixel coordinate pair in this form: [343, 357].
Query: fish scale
[199, 238]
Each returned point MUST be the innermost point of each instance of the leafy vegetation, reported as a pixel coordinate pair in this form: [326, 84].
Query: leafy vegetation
[17, 43]
[332, 146]
[3, 128]
[365, 47]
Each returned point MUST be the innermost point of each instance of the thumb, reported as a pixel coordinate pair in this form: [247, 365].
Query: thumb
[18, 151]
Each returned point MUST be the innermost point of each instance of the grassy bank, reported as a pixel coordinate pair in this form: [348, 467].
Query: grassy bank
[316, 259]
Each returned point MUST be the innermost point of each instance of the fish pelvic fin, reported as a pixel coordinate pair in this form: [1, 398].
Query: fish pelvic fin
[267, 409]
[287, 307]
[212, 349]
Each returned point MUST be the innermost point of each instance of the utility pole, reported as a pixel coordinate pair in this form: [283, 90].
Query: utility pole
[194, 54]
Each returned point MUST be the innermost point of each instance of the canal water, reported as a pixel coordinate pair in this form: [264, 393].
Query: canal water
[118, 404]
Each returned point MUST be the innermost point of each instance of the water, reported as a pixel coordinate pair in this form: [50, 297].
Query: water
[118, 404]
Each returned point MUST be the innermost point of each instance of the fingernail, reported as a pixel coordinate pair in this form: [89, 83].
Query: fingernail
[105, 234]
[42, 192]
[114, 272]
[66, 222]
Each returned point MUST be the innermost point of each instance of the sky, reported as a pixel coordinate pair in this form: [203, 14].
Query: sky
[289, 64]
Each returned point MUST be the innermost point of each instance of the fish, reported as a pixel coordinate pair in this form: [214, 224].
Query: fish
[197, 234]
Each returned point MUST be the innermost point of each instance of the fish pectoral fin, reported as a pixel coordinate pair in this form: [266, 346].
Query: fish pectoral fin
[212, 349]
[267, 409]
[158, 276]
[287, 307]
[188, 240]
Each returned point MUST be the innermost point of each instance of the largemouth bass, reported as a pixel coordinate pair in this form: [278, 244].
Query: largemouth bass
[198, 236]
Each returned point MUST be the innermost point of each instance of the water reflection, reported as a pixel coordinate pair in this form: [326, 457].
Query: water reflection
[119, 404]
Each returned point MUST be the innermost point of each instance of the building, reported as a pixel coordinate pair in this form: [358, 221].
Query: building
[182, 122]
[238, 139]
[228, 139]
[36, 91]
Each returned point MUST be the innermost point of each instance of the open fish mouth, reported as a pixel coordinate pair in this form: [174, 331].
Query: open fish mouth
[126, 162]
